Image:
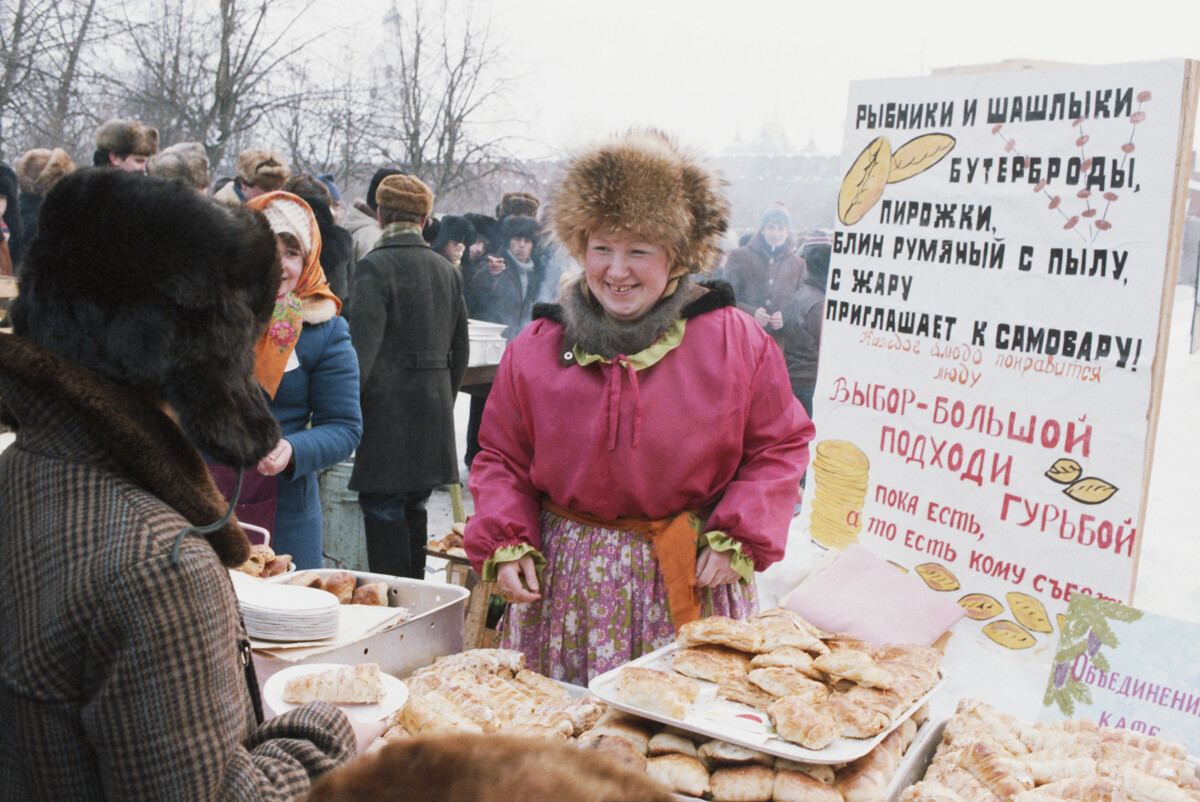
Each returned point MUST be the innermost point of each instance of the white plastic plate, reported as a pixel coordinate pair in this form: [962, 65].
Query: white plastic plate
[393, 691]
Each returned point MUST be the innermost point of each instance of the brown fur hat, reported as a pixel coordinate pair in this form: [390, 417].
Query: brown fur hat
[643, 183]
[522, 203]
[466, 767]
[185, 161]
[127, 136]
[147, 282]
[404, 193]
[262, 169]
[38, 169]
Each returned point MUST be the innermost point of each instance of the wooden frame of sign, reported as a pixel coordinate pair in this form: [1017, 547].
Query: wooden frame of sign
[1183, 168]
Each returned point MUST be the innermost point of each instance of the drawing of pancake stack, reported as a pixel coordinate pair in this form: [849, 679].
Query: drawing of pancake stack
[840, 473]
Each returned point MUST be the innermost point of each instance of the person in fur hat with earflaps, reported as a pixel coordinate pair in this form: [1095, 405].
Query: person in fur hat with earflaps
[125, 663]
[125, 145]
[672, 478]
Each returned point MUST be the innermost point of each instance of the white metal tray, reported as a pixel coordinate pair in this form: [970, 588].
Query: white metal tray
[737, 723]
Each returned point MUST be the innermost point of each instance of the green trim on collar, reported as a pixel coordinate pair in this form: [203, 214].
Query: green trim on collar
[669, 340]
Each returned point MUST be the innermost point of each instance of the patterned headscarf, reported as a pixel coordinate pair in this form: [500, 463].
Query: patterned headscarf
[288, 214]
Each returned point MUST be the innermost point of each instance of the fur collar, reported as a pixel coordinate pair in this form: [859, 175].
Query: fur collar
[317, 309]
[141, 438]
[584, 323]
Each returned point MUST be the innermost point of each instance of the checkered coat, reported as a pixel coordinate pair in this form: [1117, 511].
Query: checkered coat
[123, 662]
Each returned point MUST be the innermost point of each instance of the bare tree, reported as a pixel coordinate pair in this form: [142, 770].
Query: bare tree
[211, 74]
[442, 80]
[44, 45]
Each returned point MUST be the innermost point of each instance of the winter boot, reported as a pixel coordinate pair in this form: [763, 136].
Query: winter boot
[387, 547]
[418, 536]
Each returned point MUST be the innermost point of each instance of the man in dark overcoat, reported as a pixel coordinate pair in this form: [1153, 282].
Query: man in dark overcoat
[408, 323]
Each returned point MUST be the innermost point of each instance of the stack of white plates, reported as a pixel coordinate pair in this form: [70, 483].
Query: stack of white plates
[288, 612]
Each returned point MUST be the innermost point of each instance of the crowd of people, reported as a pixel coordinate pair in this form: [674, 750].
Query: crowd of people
[636, 460]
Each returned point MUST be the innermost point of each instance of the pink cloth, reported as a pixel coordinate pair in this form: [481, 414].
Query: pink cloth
[865, 596]
[714, 422]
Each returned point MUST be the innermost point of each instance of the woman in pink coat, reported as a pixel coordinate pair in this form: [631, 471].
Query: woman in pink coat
[641, 449]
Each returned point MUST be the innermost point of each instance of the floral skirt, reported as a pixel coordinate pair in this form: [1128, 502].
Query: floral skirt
[603, 603]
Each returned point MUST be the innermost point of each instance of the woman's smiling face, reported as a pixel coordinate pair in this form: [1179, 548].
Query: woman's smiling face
[625, 273]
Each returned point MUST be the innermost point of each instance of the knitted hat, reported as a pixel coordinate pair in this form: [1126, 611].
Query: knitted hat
[38, 169]
[185, 161]
[404, 193]
[518, 225]
[776, 212]
[523, 203]
[335, 194]
[380, 174]
[289, 214]
[262, 169]
[645, 184]
[453, 228]
[127, 137]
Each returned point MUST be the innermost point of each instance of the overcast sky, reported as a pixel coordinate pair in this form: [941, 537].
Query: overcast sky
[710, 72]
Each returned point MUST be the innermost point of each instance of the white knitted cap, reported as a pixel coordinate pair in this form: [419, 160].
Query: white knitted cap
[288, 216]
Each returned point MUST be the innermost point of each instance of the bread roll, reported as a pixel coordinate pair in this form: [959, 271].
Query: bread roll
[373, 593]
[682, 773]
[277, 565]
[340, 584]
[743, 784]
[794, 786]
[668, 695]
[799, 722]
[306, 579]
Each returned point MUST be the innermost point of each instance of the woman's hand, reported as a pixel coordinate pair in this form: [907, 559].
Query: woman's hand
[762, 316]
[509, 576]
[277, 459]
[776, 320]
[713, 568]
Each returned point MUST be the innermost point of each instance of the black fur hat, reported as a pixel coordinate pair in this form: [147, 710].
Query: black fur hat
[517, 225]
[12, 213]
[453, 228]
[154, 286]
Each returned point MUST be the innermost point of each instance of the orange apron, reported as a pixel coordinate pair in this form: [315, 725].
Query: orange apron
[674, 541]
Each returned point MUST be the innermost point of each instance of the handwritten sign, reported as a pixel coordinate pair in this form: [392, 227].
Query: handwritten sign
[1126, 668]
[991, 323]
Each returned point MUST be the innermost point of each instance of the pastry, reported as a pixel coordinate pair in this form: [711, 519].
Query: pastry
[779, 681]
[1003, 775]
[669, 743]
[789, 657]
[373, 593]
[433, 712]
[777, 631]
[821, 772]
[306, 579]
[340, 584]
[277, 565]
[855, 665]
[794, 786]
[867, 779]
[656, 691]
[342, 685]
[742, 784]
[543, 688]
[681, 773]
[739, 688]
[260, 555]
[617, 748]
[799, 722]
[722, 752]
[720, 630]
[709, 662]
[855, 721]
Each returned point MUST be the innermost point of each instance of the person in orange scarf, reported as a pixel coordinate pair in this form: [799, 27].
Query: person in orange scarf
[307, 366]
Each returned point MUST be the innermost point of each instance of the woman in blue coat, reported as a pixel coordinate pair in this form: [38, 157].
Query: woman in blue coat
[307, 365]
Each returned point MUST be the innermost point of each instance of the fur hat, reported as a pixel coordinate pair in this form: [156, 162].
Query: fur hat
[185, 161]
[404, 193]
[38, 169]
[171, 306]
[645, 184]
[127, 136]
[262, 169]
[518, 225]
[523, 203]
[453, 228]
[484, 225]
